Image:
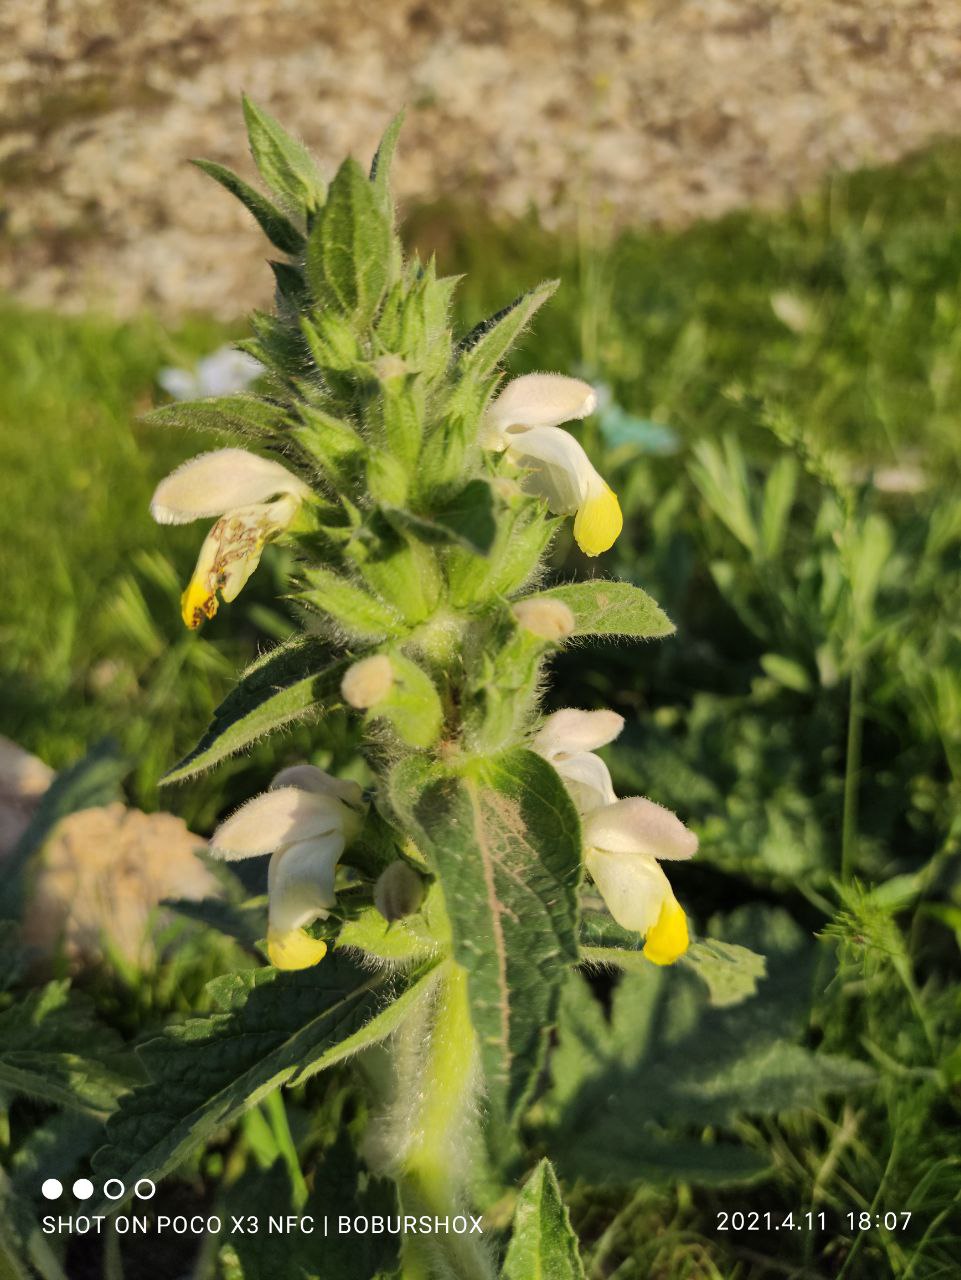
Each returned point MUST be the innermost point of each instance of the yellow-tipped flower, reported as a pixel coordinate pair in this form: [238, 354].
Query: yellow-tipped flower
[624, 840]
[304, 821]
[625, 843]
[256, 500]
[525, 420]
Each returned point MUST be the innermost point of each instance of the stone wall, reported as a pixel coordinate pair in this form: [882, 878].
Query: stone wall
[648, 110]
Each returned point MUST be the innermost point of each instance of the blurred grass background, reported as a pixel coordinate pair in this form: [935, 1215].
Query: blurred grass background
[784, 426]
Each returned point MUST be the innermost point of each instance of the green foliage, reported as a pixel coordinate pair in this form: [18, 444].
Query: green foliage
[543, 1246]
[271, 1029]
[610, 609]
[631, 1096]
[503, 841]
[284, 163]
[292, 680]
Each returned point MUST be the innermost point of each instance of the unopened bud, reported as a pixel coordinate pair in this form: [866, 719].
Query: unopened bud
[399, 891]
[390, 366]
[548, 619]
[367, 682]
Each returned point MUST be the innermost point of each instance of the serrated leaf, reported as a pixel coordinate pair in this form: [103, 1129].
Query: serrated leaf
[543, 1245]
[603, 608]
[232, 415]
[284, 163]
[276, 226]
[487, 343]
[504, 841]
[630, 1096]
[285, 684]
[53, 1049]
[348, 254]
[275, 1028]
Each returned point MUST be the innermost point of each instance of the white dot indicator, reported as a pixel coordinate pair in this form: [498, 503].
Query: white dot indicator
[145, 1189]
[83, 1188]
[113, 1189]
[52, 1188]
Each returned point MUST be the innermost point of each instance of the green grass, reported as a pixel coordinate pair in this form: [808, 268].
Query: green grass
[806, 717]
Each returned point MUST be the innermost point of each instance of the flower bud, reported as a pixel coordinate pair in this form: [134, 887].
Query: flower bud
[367, 682]
[399, 891]
[548, 619]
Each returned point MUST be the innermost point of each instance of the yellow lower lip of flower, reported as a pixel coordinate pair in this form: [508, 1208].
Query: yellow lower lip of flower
[295, 949]
[598, 522]
[667, 939]
[197, 604]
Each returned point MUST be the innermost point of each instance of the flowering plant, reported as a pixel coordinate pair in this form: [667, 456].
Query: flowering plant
[437, 912]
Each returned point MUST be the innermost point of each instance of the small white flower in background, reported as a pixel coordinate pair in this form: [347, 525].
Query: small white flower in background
[624, 840]
[304, 821]
[222, 373]
[546, 619]
[256, 500]
[525, 421]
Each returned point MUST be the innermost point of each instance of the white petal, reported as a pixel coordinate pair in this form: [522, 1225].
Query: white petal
[230, 553]
[275, 820]
[541, 400]
[213, 484]
[300, 882]
[307, 777]
[559, 469]
[633, 886]
[587, 779]
[573, 730]
[636, 825]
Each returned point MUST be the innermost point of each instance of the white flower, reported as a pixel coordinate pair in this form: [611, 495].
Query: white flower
[525, 420]
[624, 840]
[624, 843]
[568, 739]
[304, 821]
[367, 682]
[255, 498]
[223, 372]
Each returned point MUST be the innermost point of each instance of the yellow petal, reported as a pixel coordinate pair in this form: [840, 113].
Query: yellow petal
[295, 949]
[668, 939]
[198, 602]
[598, 522]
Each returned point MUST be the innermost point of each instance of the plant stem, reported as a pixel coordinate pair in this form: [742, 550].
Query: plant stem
[280, 1127]
[852, 773]
[431, 1180]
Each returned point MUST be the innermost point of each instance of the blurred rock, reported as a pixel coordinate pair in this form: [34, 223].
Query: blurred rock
[23, 780]
[649, 111]
[101, 876]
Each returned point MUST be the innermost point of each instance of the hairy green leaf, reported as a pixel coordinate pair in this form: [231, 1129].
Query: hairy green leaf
[603, 608]
[504, 842]
[487, 344]
[285, 684]
[52, 1049]
[348, 254]
[284, 163]
[276, 226]
[383, 159]
[272, 1028]
[543, 1245]
[232, 415]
